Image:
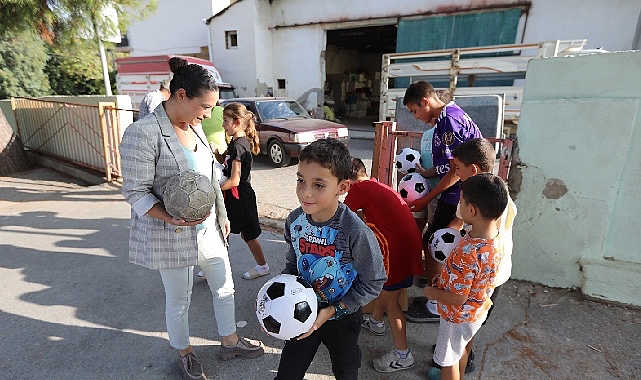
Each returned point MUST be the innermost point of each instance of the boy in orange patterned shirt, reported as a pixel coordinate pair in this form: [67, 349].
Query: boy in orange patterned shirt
[468, 277]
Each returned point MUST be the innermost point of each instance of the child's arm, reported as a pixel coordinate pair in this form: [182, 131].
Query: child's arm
[234, 178]
[368, 262]
[290, 256]
[445, 183]
[444, 296]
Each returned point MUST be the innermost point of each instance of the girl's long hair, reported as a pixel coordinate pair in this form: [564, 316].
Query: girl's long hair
[238, 111]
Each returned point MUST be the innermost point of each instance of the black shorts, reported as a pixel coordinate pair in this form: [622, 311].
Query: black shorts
[443, 215]
[242, 213]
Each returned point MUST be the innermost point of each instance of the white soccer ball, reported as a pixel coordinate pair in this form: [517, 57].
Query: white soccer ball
[413, 186]
[407, 159]
[189, 195]
[443, 241]
[286, 306]
[218, 169]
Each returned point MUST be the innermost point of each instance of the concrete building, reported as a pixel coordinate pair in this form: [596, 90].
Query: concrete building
[305, 49]
[175, 27]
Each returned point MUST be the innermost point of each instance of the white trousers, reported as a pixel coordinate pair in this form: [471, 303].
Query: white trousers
[178, 284]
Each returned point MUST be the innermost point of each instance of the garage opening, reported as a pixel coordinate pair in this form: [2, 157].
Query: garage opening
[353, 69]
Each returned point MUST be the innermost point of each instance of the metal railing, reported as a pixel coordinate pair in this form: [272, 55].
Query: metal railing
[80, 134]
[387, 139]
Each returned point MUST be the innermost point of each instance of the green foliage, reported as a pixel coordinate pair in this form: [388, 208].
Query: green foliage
[22, 61]
[52, 18]
[74, 67]
[70, 28]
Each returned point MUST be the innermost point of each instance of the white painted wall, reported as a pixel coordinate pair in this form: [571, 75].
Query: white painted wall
[238, 66]
[579, 141]
[296, 29]
[608, 24]
[176, 27]
[264, 49]
[301, 64]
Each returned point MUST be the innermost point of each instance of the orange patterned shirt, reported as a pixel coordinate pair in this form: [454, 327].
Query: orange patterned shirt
[470, 270]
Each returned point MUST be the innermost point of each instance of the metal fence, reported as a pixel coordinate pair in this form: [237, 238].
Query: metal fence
[80, 134]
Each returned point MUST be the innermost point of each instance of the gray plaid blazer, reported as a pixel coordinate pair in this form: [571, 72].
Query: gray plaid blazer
[151, 154]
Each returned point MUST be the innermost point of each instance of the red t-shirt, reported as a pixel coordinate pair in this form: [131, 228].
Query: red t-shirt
[392, 222]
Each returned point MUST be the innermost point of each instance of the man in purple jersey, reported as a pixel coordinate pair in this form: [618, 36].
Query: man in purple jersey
[453, 127]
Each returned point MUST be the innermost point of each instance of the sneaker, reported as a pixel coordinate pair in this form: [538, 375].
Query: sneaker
[391, 362]
[376, 328]
[190, 367]
[469, 368]
[420, 314]
[433, 373]
[245, 348]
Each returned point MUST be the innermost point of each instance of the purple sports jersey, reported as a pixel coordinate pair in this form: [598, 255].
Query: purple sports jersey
[453, 127]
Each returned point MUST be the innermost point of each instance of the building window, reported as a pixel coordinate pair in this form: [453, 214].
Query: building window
[281, 84]
[231, 39]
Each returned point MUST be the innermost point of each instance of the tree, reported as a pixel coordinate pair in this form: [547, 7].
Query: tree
[51, 20]
[23, 57]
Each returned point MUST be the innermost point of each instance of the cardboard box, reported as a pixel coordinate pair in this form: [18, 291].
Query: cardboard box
[402, 300]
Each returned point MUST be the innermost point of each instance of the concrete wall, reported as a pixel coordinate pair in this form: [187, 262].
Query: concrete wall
[295, 32]
[238, 66]
[579, 140]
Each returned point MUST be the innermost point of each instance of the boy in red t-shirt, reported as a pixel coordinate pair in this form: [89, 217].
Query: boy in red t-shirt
[468, 277]
[388, 216]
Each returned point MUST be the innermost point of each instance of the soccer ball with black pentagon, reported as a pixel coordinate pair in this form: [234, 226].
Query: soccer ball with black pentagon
[286, 306]
[443, 241]
[407, 159]
[189, 195]
[412, 187]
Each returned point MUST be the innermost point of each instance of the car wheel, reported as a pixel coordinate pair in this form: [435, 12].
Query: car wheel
[278, 156]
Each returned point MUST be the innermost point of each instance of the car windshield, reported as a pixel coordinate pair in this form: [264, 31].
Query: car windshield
[280, 109]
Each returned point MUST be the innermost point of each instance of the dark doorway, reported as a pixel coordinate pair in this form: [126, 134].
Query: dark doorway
[352, 67]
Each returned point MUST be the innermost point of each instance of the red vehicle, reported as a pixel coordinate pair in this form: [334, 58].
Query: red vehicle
[285, 127]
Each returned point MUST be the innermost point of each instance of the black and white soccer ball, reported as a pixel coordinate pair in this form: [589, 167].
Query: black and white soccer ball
[286, 306]
[443, 241]
[413, 186]
[189, 195]
[407, 159]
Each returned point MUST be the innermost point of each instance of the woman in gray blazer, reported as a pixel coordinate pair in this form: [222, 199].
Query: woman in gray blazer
[153, 150]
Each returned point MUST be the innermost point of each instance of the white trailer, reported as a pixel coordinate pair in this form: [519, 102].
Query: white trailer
[500, 62]
[139, 75]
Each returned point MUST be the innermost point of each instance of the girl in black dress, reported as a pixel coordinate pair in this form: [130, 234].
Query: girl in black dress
[240, 199]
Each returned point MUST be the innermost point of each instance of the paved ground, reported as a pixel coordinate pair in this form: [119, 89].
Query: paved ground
[72, 307]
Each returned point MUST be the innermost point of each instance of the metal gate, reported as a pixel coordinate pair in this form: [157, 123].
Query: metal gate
[80, 134]
[387, 139]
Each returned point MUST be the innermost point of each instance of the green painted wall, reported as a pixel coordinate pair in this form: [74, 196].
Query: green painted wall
[579, 176]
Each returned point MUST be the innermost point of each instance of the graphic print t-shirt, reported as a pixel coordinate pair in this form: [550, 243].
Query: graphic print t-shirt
[453, 127]
[471, 271]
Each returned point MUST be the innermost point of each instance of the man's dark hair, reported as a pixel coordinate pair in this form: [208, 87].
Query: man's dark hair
[358, 169]
[487, 192]
[417, 91]
[193, 78]
[330, 154]
[478, 151]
